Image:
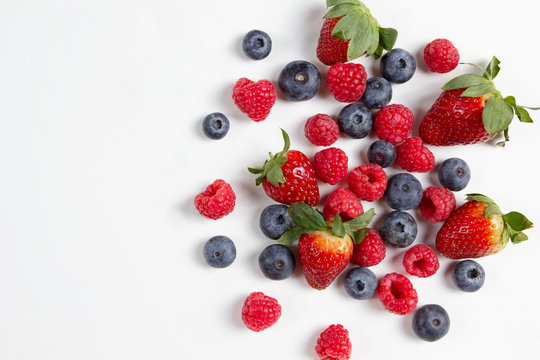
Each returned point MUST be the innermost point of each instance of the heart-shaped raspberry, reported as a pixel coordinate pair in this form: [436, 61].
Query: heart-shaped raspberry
[254, 98]
[412, 156]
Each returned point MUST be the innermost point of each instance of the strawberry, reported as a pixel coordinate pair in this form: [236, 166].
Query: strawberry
[479, 228]
[471, 110]
[288, 176]
[324, 248]
[350, 31]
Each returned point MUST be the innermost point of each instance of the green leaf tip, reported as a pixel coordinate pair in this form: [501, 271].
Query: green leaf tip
[337, 228]
[359, 222]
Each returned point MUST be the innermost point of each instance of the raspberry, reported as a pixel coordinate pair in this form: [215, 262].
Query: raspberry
[421, 261]
[334, 343]
[393, 123]
[437, 203]
[343, 202]
[441, 56]
[331, 165]
[254, 98]
[260, 311]
[216, 201]
[397, 294]
[370, 250]
[347, 82]
[368, 182]
[412, 155]
[321, 130]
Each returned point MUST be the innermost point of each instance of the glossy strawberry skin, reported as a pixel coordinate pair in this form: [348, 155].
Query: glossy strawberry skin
[330, 49]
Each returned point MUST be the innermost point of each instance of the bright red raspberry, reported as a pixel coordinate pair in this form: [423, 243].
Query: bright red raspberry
[368, 251]
[347, 82]
[393, 123]
[368, 182]
[321, 130]
[437, 204]
[441, 56]
[331, 165]
[260, 311]
[254, 98]
[413, 156]
[343, 202]
[334, 343]
[421, 261]
[216, 201]
[397, 294]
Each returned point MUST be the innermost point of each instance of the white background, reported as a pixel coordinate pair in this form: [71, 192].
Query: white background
[101, 155]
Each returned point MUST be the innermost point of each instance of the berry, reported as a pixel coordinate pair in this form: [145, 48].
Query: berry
[330, 48]
[367, 181]
[437, 204]
[254, 98]
[347, 82]
[343, 202]
[430, 322]
[321, 130]
[275, 220]
[454, 174]
[468, 275]
[378, 93]
[256, 44]
[355, 121]
[369, 250]
[215, 125]
[331, 165]
[216, 201]
[441, 56]
[277, 262]
[393, 123]
[299, 80]
[334, 344]
[413, 156]
[397, 66]
[381, 153]
[398, 229]
[219, 251]
[360, 283]
[404, 192]
[421, 260]
[397, 294]
[260, 311]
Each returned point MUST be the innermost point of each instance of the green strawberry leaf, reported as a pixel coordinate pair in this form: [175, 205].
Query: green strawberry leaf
[330, 3]
[506, 139]
[306, 217]
[378, 52]
[286, 141]
[274, 174]
[291, 235]
[518, 237]
[255, 171]
[517, 221]
[360, 235]
[342, 10]
[479, 90]
[349, 26]
[465, 81]
[480, 198]
[387, 38]
[492, 68]
[523, 114]
[492, 209]
[338, 229]
[359, 222]
[497, 115]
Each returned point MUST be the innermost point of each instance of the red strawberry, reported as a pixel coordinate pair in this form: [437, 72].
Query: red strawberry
[254, 98]
[479, 228]
[288, 176]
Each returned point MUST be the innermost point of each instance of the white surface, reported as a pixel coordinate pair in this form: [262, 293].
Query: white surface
[101, 155]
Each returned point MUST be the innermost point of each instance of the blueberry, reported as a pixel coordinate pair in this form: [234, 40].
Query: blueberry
[403, 192]
[215, 125]
[299, 80]
[360, 283]
[381, 153]
[355, 121]
[277, 262]
[430, 322]
[378, 93]
[397, 66]
[398, 229]
[275, 220]
[454, 174]
[256, 44]
[219, 251]
[468, 275]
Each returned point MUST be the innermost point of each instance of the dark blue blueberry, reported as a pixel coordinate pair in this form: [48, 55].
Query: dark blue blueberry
[378, 93]
[431, 322]
[215, 125]
[454, 174]
[277, 262]
[275, 220]
[381, 153]
[398, 229]
[299, 80]
[257, 44]
[403, 192]
[355, 121]
[469, 275]
[219, 251]
[360, 283]
[397, 66]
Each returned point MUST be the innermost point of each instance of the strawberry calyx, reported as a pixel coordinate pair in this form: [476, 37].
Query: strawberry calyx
[271, 169]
